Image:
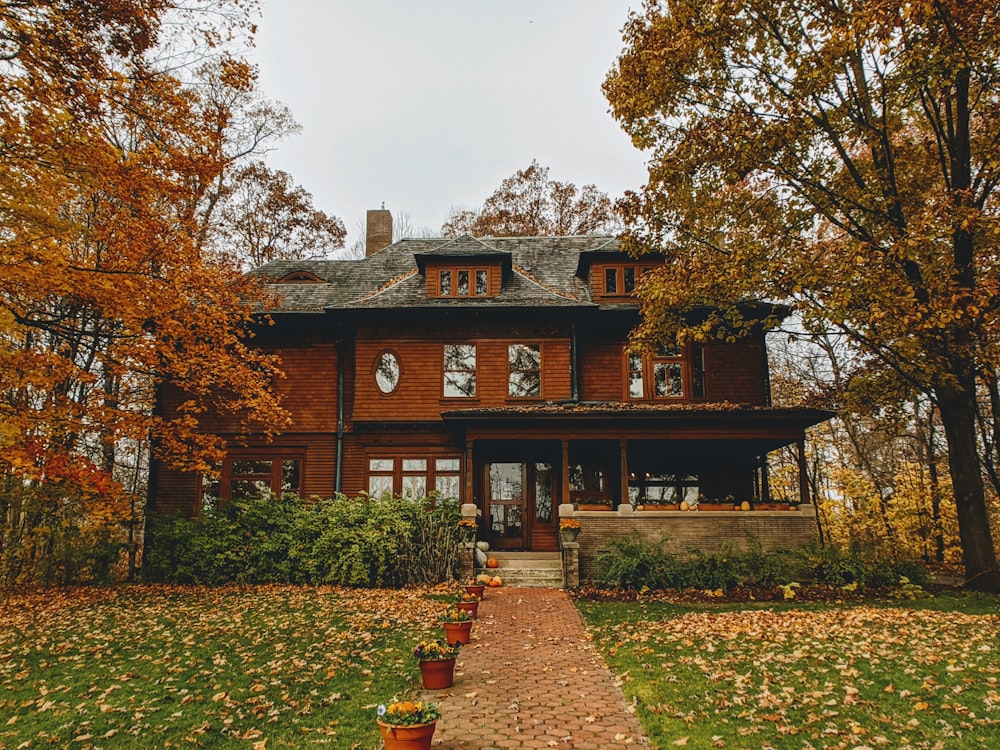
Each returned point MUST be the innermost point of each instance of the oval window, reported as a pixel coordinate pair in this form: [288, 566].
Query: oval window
[387, 372]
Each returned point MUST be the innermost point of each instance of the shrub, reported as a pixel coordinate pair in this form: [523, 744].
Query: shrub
[343, 541]
[712, 571]
[634, 563]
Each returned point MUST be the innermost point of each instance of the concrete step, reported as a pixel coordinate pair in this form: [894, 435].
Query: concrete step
[530, 578]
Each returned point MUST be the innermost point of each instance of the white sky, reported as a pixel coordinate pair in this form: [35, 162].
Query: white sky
[429, 104]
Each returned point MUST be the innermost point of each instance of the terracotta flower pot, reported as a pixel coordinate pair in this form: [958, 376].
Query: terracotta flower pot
[437, 673]
[410, 737]
[476, 589]
[457, 632]
[471, 607]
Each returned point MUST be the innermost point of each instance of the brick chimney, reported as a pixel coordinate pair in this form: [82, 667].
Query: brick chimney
[379, 230]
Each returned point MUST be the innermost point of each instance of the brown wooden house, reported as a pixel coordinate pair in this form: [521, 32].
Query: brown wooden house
[496, 370]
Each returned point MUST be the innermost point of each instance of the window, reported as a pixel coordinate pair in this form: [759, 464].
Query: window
[252, 477]
[666, 374]
[411, 477]
[447, 479]
[588, 484]
[622, 280]
[463, 282]
[460, 370]
[661, 489]
[524, 370]
[387, 372]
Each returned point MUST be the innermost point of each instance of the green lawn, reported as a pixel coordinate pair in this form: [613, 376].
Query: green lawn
[255, 667]
[282, 666]
[923, 674]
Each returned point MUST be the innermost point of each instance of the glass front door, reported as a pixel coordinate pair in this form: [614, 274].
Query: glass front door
[506, 505]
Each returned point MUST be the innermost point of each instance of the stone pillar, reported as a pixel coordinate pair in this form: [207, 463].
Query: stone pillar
[571, 564]
[467, 550]
[466, 561]
[570, 552]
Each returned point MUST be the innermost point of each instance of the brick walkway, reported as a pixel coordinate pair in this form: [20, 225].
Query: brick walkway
[531, 679]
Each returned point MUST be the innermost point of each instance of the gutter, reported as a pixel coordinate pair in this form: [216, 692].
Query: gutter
[340, 415]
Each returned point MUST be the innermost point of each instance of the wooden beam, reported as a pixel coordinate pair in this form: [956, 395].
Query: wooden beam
[623, 482]
[565, 471]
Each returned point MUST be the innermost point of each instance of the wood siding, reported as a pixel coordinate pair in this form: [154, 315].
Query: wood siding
[420, 393]
[736, 373]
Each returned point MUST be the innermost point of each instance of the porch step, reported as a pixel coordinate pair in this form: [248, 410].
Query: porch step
[531, 569]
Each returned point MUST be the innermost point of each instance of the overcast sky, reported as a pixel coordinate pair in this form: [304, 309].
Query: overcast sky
[429, 104]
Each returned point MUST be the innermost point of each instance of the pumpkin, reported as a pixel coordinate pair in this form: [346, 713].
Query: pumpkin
[497, 581]
[745, 505]
[492, 563]
[685, 506]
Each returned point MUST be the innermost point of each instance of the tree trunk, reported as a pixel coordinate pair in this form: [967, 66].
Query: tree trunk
[957, 406]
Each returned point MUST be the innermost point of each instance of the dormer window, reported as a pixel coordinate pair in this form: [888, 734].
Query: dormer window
[300, 277]
[619, 279]
[463, 282]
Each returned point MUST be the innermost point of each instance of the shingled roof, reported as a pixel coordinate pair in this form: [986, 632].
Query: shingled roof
[543, 273]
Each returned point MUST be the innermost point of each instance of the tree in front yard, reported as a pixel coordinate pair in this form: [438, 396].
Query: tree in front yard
[843, 157]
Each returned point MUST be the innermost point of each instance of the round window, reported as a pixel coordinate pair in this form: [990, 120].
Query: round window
[387, 372]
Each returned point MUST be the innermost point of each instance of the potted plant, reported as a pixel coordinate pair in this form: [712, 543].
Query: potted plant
[408, 725]
[437, 663]
[467, 529]
[457, 624]
[475, 587]
[470, 603]
[569, 529]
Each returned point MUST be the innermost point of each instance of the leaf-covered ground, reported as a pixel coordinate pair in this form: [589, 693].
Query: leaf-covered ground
[156, 666]
[828, 676]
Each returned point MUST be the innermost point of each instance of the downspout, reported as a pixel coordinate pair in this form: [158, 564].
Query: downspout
[340, 414]
[573, 373]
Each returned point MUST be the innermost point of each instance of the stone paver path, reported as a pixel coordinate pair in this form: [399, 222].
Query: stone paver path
[530, 678]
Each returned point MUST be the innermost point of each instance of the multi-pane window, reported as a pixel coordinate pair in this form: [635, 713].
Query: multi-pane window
[460, 370]
[412, 477]
[251, 477]
[666, 373]
[463, 282]
[524, 370]
[447, 477]
[622, 280]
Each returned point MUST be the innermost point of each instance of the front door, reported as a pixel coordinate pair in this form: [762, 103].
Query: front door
[506, 501]
[519, 505]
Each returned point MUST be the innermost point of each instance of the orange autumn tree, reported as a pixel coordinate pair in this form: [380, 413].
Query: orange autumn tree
[529, 204]
[107, 167]
[842, 157]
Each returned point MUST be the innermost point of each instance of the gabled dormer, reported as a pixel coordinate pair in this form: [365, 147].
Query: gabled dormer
[464, 268]
[612, 276]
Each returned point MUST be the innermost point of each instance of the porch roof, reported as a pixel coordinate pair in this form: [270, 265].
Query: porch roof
[767, 427]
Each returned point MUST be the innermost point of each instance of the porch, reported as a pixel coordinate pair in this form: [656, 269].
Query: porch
[680, 531]
[524, 466]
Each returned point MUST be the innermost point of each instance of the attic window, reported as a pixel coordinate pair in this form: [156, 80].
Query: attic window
[300, 277]
[463, 282]
[620, 280]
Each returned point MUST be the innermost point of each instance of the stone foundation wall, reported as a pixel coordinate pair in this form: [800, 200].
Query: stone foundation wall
[684, 531]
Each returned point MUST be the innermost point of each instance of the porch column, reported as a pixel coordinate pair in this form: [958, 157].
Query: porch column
[765, 481]
[623, 482]
[565, 471]
[803, 472]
